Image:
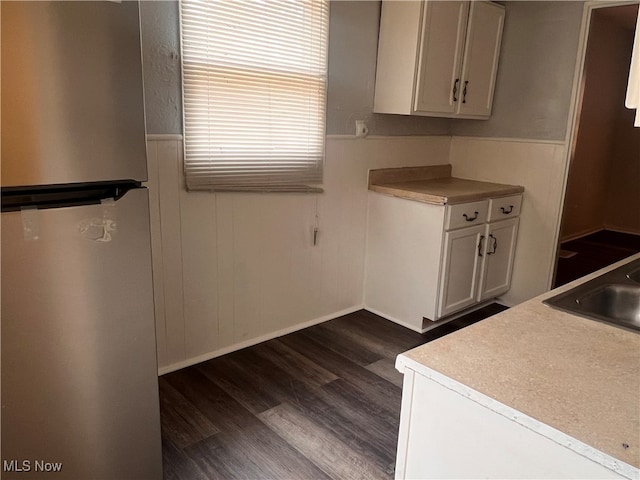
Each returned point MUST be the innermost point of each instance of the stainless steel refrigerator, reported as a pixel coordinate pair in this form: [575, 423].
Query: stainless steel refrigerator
[79, 387]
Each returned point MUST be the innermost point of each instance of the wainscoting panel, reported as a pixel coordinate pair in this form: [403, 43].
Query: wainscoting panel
[234, 269]
[166, 238]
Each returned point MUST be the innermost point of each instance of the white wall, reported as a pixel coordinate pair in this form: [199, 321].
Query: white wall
[234, 269]
[539, 166]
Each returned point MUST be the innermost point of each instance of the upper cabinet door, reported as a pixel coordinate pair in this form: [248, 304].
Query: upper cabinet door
[440, 56]
[482, 51]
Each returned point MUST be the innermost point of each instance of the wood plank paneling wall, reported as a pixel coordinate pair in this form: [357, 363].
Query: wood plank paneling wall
[234, 269]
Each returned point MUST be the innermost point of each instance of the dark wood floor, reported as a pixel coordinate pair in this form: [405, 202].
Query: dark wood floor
[320, 403]
[593, 252]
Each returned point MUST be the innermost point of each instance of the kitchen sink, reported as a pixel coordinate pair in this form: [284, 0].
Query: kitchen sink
[613, 297]
[615, 301]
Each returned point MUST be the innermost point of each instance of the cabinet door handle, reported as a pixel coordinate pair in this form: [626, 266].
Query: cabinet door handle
[455, 89]
[505, 211]
[495, 244]
[480, 245]
[470, 219]
[464, 92]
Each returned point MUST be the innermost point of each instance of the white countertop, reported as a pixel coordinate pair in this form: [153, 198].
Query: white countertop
[571, 379]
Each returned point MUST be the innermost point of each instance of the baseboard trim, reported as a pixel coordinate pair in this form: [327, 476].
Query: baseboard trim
[430, 325]
[393, 319]
[503, 302]
[254, 341]
[599, 229]
[582, 234]
[611, 228]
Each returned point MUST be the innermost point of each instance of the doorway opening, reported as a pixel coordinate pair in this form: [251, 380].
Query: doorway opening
[601, 211]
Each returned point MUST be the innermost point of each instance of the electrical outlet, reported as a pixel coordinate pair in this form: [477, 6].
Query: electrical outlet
[361, 129]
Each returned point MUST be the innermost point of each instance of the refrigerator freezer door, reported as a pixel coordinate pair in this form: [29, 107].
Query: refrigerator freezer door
[72, 98]
[79, 371]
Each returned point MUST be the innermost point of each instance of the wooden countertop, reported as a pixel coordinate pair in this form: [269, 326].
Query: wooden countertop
[434, 184]
[543, 367]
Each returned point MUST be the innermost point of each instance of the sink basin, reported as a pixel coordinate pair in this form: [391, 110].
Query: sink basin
[613, 297]
[618, 301]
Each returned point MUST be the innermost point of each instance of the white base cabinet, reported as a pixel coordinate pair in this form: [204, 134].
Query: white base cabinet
[446, 434]
[402, 260]
[477, 264]
[425, 262]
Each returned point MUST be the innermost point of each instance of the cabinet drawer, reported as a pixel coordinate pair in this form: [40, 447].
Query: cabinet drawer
[466, 214]
[504, 207]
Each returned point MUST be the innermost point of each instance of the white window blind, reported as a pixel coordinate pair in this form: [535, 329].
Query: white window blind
[254, 85]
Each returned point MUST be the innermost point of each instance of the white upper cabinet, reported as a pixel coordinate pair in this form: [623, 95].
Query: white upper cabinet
[442, 47]
[438, 58]
[481, 54]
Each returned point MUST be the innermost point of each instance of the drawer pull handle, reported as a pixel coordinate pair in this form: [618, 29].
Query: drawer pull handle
[470, 219]
[495, 244]
[480, 245]
[505, 211]
[464, 92]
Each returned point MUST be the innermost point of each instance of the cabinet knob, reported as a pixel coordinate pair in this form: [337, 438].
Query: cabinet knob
[455, 89]
[470, 219]
[464, 92]
[480, 245]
